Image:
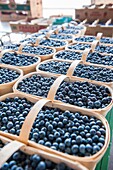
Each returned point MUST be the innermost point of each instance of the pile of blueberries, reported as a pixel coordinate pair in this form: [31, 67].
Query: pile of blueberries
[104, 49]
[64, 131]
[22, 161]
[18, 59]
[52, 43]
[44, 31]
[68, 55]
[37, 50]
[82, 94]
[7, 75]
[75, 27]
[84, 71]
[68, 31]
[53, 27]
[37, 35]
[94, 73]
[85, 39]
[61, 36]
[97, 58]
[29, 40]
[79, 46]
[56, 67]
[13, 112]
[36, 85]
[11, 46]
[106, 40]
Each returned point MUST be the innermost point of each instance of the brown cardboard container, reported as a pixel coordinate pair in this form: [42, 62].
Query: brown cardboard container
[96, 26]
[29, 25]
[93, 12]
[98, 2]
[12, 16]
[106, 30]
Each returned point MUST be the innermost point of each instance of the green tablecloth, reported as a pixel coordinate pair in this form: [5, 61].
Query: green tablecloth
[103, 164]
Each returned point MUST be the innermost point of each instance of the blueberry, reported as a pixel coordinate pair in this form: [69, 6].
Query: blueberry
[5, 166]
[93, 132]
[102, 140]
[68, 142]
[82, 149]
[61, 166]
[9, 125]
[14, 167]
[96, 148]
[19, 168]
[75, 149]
[11, 163]
[78, 139]
[95, 138]
[89, 148]
[50, 127]
[16, 156]
[62, 146]
[41, 166]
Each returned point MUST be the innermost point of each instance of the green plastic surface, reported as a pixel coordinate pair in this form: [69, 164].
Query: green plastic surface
[62, 20]
[103, 164]
[18, 7]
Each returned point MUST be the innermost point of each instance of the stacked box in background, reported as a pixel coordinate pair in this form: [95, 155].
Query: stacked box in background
[102, 14]
[98, 2]
[92, 12]
[10, 11]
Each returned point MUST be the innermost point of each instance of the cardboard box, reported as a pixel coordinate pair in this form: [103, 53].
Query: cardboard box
[92, 12]
[106, 28]
[12, 16]
[93, 30]
[30, 25]
[98, 2]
